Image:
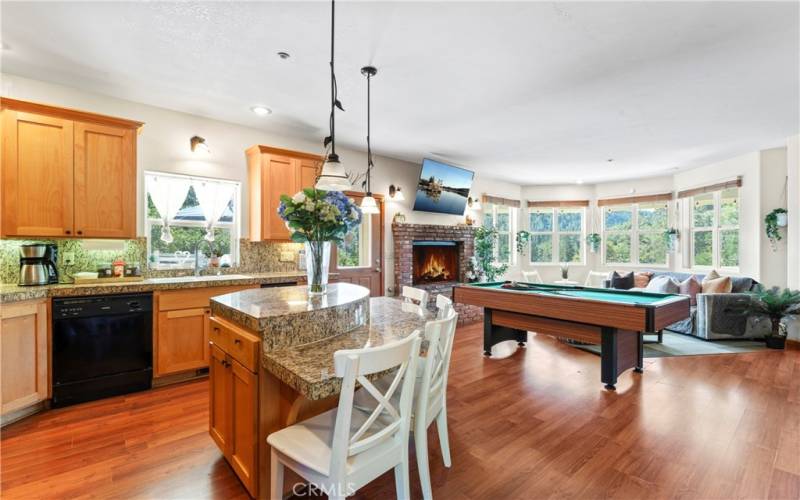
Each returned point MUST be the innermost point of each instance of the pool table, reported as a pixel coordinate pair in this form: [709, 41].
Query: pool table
[613, 319]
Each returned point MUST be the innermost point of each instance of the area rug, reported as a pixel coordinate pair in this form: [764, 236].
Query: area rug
[675, 344]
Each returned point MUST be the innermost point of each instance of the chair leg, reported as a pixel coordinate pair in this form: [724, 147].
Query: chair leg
[444, 441]
[276, 477]
[421, 444]
[401, 478]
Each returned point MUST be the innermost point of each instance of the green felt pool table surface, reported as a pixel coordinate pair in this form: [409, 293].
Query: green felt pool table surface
[603, 294]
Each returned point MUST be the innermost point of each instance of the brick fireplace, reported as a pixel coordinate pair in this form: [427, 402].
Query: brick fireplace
[434, 258]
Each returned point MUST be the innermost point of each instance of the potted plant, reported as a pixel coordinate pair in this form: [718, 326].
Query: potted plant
[671, 237]
[485, 266]
[776, 304]
[317, 218]
[523, 237]
[593, 240]
[774, 221]
[564, 270]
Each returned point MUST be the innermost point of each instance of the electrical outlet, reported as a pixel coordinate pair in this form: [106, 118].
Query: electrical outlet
[69, 258]
[287, 257]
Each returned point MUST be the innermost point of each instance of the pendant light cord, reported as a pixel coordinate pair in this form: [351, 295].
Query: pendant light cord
[369, 147]
[334, 90]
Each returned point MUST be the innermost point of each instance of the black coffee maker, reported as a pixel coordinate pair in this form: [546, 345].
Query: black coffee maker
[37, 264]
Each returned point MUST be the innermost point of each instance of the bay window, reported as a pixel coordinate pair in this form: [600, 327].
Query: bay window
[557, 235]
[714, 219]
[185, 213]
[633, 233]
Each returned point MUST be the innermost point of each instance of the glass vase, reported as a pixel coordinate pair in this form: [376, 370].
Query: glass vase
[318, 256]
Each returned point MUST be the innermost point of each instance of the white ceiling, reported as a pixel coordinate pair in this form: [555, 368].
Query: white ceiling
[526, 92]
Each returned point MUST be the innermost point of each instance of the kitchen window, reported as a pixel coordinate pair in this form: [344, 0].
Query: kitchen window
[557, 235]
[633, 233]
[184, 213]
[715, 229]
[503, 218]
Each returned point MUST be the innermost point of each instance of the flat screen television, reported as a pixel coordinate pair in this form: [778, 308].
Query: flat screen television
[442, 188]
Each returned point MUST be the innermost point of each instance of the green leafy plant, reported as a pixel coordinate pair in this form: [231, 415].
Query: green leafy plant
[316, 215]
[775, 303]
[669, 233]
[523, 237]
[485, 265]
[773, 229]
[593, 240]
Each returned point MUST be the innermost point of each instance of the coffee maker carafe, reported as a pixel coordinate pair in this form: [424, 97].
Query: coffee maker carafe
[37, 264]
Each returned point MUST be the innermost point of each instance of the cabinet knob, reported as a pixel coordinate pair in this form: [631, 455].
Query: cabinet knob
[80, 232]
[216, 330]
[68, 231]
[237, 341]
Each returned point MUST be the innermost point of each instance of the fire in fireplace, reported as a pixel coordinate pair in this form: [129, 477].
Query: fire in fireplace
[435, 261]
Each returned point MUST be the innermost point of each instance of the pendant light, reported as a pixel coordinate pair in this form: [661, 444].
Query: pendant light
[368, 205]
[333, 176]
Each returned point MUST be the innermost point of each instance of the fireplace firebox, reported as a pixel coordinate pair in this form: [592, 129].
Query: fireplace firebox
[434, 262]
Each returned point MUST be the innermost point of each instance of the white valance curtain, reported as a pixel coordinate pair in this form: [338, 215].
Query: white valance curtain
[213, 198]
[168, 194]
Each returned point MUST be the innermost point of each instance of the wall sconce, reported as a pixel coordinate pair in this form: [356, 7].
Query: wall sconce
[198, 143]
[395, 193]
[473, 203]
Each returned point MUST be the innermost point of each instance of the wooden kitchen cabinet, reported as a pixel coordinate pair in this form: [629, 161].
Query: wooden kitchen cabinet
[67, 173]
[181, 334]
[24, 352]
[272, 172]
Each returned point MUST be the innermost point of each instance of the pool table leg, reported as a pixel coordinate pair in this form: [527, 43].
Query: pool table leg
[640, 353]
[493, 334]
[619, 351]
[608, 358]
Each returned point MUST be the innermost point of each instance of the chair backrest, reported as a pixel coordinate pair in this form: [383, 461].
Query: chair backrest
[415, 295]
[531, 277]
[596, 279]
[443, 306]
[432, 394]
[385, 421]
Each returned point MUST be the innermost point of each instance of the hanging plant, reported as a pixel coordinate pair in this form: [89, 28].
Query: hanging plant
[593, 240]
[523, 237]
[773, 225]
[671, 238]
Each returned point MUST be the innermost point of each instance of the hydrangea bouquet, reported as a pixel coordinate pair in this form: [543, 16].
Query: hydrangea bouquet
[317, 218]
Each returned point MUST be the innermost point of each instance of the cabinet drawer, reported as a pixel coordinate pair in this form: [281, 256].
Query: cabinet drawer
[242, 346]
[194, 297]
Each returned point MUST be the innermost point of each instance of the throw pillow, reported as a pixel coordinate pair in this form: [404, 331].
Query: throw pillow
[691, 287]
[741, 284]
[714, 283]
[663, 284]
[622, 282]
[640, 280]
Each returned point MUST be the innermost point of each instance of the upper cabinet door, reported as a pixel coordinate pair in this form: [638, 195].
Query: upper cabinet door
[307, 173]
[37, 175]
[281, 180]
[105, 181]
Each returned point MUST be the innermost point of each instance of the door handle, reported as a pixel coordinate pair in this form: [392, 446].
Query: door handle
[377, 269]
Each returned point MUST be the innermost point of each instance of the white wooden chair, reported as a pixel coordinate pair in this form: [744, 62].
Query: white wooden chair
[595, 279]
[531, 277]
[430, 395]
[443, 306]
[341, 450]
[415, 296]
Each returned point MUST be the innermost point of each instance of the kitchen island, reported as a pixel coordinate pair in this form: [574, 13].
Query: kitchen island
[272, 362]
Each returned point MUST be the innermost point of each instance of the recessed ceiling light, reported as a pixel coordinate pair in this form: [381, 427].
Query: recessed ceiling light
[610, 160]
[284, 55]
[261, 110]
[579, 181]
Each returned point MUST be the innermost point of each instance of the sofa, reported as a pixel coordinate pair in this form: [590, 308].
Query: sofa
[719, 316]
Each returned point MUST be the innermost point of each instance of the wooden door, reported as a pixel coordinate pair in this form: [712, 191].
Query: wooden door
[220, 399]
[105, 181]
[182, 340]
[23, 351]
[307, 176]
[360, 259]
[244, 425]
[280, 179]
[37, 175]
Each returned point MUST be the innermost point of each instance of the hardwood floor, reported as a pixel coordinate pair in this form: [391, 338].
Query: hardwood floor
[534, 424]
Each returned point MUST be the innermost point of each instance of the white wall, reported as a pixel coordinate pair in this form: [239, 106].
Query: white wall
[164, 146]
[793, 230]
[773, 181]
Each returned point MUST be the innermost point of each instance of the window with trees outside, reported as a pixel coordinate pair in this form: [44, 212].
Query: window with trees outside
[184, 214]
[354, 251]
[503, 219]
[557, 235]
[634, 233]
[715, 229]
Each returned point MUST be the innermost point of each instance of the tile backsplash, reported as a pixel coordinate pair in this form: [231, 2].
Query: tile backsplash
[254, 257]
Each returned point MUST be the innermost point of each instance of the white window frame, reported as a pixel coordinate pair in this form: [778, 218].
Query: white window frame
[634, 232]
[491, 208]
[715, 229]
[235, 226]
[364, 245]
[555, 234]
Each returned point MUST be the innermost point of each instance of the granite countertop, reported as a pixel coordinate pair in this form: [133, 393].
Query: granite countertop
[15, 293]
[308, 368]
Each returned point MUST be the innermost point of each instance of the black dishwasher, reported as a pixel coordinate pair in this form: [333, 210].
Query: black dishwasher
[102, 346]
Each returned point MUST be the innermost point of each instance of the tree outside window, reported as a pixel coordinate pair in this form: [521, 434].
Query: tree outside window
[634, 233]
[502, 218]
[556, 234]
[715, 229]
